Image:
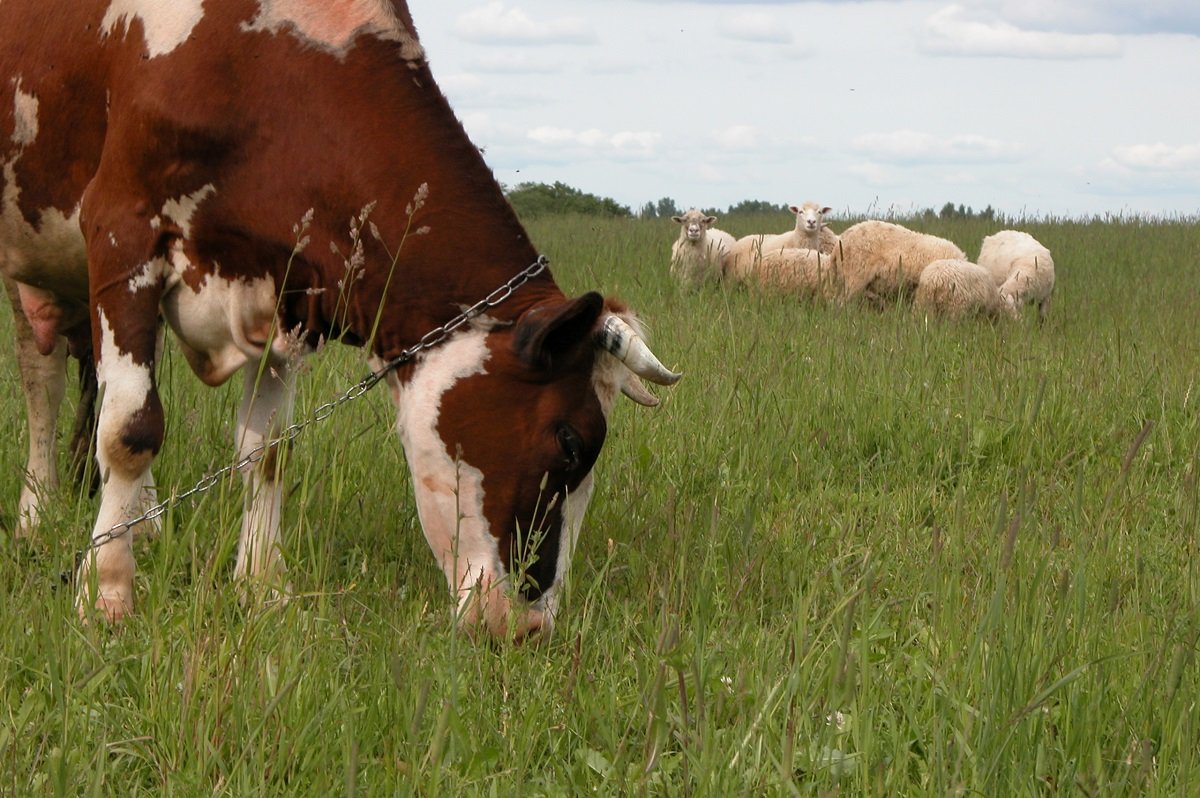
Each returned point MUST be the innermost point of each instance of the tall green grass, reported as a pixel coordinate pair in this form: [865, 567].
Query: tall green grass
[852, 552]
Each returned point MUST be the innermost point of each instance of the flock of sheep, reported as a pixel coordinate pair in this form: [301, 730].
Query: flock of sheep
[873, 261]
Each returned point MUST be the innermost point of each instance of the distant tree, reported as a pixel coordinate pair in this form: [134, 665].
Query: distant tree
[531, 200]
[960, 211]
[666, 208]
[756, 206]
[648, 211]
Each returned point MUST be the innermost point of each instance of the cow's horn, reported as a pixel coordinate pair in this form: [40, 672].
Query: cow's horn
[616, 336]
[634, 389]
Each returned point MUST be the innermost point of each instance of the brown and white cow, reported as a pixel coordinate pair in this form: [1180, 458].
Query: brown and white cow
[156, 158]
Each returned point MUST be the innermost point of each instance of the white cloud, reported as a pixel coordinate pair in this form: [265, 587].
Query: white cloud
[495, 23]
[755, 26]
[1099, 16]
[1157, 157]
[872, 174]
[954, 30]
[510, 62]
[737, 137]
[628, 143]
[462, 85]
[911, 146]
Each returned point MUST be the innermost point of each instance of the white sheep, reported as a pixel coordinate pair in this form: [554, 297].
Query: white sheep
[1022, 267]
[880, 260]
[957, 289]
[742, 259]
[696, 255]
[799, 270]
[810, 232]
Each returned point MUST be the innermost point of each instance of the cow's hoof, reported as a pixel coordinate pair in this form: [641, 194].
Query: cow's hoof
[109, 607]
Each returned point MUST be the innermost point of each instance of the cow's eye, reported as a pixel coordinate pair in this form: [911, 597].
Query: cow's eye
[572, 447]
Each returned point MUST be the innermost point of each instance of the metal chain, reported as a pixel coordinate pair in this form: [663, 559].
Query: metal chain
[428, 341]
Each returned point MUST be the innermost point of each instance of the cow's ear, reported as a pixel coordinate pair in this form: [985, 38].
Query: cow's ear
[550, 334]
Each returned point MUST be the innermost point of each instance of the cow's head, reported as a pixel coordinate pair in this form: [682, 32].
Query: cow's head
[501, 426]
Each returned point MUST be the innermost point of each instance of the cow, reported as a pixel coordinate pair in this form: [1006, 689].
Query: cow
[262, 176]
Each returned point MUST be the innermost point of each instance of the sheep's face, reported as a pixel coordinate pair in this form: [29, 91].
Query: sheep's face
[809, 216]
[1009, 304]
[694, 224]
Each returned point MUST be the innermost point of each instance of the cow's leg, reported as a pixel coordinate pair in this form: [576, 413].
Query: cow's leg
[265, 411]
[43, 381]
[129, 431]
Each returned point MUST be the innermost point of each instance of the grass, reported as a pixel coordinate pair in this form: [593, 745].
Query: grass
[852, 553]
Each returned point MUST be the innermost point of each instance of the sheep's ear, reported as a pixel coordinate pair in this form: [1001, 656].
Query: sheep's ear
[794, 208]
[677, 219]
[709, 221]
[825, 211]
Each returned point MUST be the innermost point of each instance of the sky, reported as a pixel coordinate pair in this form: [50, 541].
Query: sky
[1065, 108]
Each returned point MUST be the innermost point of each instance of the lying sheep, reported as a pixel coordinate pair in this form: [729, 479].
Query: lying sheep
[696, 254]
[799, 270]
[811, 231]
[1022, 267]
[880, 260]
[957, 289]
[743, 258]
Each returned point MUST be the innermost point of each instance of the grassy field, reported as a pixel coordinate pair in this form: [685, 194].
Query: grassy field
[852, 553]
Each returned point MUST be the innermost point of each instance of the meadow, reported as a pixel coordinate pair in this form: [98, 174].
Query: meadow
[853, 552]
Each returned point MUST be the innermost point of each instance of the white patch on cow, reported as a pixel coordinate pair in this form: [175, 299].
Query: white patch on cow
[150, 274]
[119, 368]
[165, 25]
[449, 491]
[51, 254]
[180, 211]
[334, 25]
[25, 117]
[572, 522]
[223, 323]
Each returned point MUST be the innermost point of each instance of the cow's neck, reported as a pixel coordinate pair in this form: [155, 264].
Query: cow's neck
[447, 235]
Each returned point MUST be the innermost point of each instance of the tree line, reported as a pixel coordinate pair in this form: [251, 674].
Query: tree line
[531, 200]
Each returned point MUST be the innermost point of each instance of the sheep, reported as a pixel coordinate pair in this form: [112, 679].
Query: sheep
[811, 232]
[1022, 267]
[957, 289]
[696, 255]
[799, 270]
[880, 260]
[742, 259]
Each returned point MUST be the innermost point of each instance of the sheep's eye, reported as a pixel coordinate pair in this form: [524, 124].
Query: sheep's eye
[572, 447]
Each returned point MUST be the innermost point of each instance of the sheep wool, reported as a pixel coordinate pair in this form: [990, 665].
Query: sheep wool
[881, 260]
[800, 271]
[958, 289]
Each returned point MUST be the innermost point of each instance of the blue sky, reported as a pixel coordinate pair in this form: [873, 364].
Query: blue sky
[1035, 107]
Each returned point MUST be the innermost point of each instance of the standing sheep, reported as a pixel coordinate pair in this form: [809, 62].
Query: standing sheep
[880, 260]
[957, 289]
[801, 271]
[811, 231]
[1022, 267]
[696, 255]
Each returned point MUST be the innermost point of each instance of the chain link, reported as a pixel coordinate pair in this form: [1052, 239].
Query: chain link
[428, 341]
